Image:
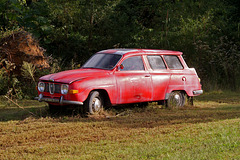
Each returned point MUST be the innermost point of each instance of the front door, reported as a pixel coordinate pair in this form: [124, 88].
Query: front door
[133, 81]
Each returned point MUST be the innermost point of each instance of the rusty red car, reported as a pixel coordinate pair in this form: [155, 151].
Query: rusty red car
[122, 76]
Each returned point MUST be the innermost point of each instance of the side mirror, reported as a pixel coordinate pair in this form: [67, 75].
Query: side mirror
[121, 66]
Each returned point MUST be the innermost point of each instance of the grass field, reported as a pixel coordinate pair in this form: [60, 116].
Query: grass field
[208, 130]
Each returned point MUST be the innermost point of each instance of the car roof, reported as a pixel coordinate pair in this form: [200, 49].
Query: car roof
[140, 51]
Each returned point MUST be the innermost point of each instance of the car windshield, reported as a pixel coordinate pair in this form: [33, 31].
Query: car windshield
[102, 61]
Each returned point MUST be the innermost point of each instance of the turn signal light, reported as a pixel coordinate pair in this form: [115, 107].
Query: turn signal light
[73, 91]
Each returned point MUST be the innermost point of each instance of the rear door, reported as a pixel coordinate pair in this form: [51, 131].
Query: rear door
[160, 76]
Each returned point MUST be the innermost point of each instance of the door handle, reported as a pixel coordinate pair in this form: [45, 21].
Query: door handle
[184, 78]
[148, 75]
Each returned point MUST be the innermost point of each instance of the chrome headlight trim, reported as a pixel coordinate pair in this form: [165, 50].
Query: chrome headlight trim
[41, 86]
[64, 88]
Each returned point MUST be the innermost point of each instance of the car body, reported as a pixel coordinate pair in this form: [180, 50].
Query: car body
[122, 76]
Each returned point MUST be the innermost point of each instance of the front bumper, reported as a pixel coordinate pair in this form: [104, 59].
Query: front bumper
[197, 92]
[55, 100]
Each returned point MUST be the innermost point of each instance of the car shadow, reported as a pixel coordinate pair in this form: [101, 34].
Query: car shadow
[129, 116]
[183, 116]
[13, 113]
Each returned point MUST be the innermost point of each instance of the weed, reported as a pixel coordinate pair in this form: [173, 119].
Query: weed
[28, 71]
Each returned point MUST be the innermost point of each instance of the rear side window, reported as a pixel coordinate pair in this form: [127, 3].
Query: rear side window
[173, 62]
[133, 63]
[156, 62]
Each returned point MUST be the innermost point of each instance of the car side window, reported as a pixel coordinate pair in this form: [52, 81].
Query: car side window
[156, 62]
[132, 63]
[173, 62]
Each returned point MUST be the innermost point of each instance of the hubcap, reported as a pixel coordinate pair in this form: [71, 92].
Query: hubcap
[96, 104]
[175, 100]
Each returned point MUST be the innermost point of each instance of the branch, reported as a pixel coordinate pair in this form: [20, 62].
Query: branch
[20, 106]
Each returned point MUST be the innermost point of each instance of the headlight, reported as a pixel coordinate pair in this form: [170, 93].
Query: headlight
[64, 89]
[41, 86]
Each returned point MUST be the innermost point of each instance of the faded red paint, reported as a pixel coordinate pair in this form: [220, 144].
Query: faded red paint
[127, 86]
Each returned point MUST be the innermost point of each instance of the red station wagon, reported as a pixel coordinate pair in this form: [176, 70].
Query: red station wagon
[122, 76]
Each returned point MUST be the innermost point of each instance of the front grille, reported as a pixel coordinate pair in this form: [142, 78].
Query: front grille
[52, 88]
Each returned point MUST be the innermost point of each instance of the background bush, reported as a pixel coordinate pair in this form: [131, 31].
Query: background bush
[208, 32]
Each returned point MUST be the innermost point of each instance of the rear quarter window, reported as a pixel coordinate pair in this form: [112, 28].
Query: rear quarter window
[173, 62]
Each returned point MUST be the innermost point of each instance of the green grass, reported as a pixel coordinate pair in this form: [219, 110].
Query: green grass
[10, 111]
[209, 130]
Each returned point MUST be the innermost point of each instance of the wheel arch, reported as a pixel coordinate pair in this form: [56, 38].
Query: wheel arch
[105, 95]
[168, 94]
[176, 99]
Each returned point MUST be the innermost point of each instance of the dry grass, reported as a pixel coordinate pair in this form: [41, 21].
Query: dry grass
[209, 130]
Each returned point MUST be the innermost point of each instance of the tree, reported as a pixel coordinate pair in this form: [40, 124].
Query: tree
[73, 30]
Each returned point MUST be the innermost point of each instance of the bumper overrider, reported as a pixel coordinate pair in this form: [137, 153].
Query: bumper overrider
[197, 92]
[55, 100]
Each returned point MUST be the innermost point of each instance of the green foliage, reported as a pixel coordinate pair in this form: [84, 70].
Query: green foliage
[18, 86]
[28, 70]
[74, 30]
[4, 79]
[219, 63]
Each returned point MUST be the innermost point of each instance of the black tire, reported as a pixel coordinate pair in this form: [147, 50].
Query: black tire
[94, 103]
[176, 99]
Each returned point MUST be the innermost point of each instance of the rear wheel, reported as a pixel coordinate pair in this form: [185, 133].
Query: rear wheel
[94, 103]
[176, 99]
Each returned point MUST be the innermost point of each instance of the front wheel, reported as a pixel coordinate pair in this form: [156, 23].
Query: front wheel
[176, 99]
[94, 103]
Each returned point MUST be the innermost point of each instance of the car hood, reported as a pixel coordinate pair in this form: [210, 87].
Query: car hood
[71, 76]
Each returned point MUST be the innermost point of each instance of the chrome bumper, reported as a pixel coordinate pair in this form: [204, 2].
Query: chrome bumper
[197, 92]
[54, 100]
